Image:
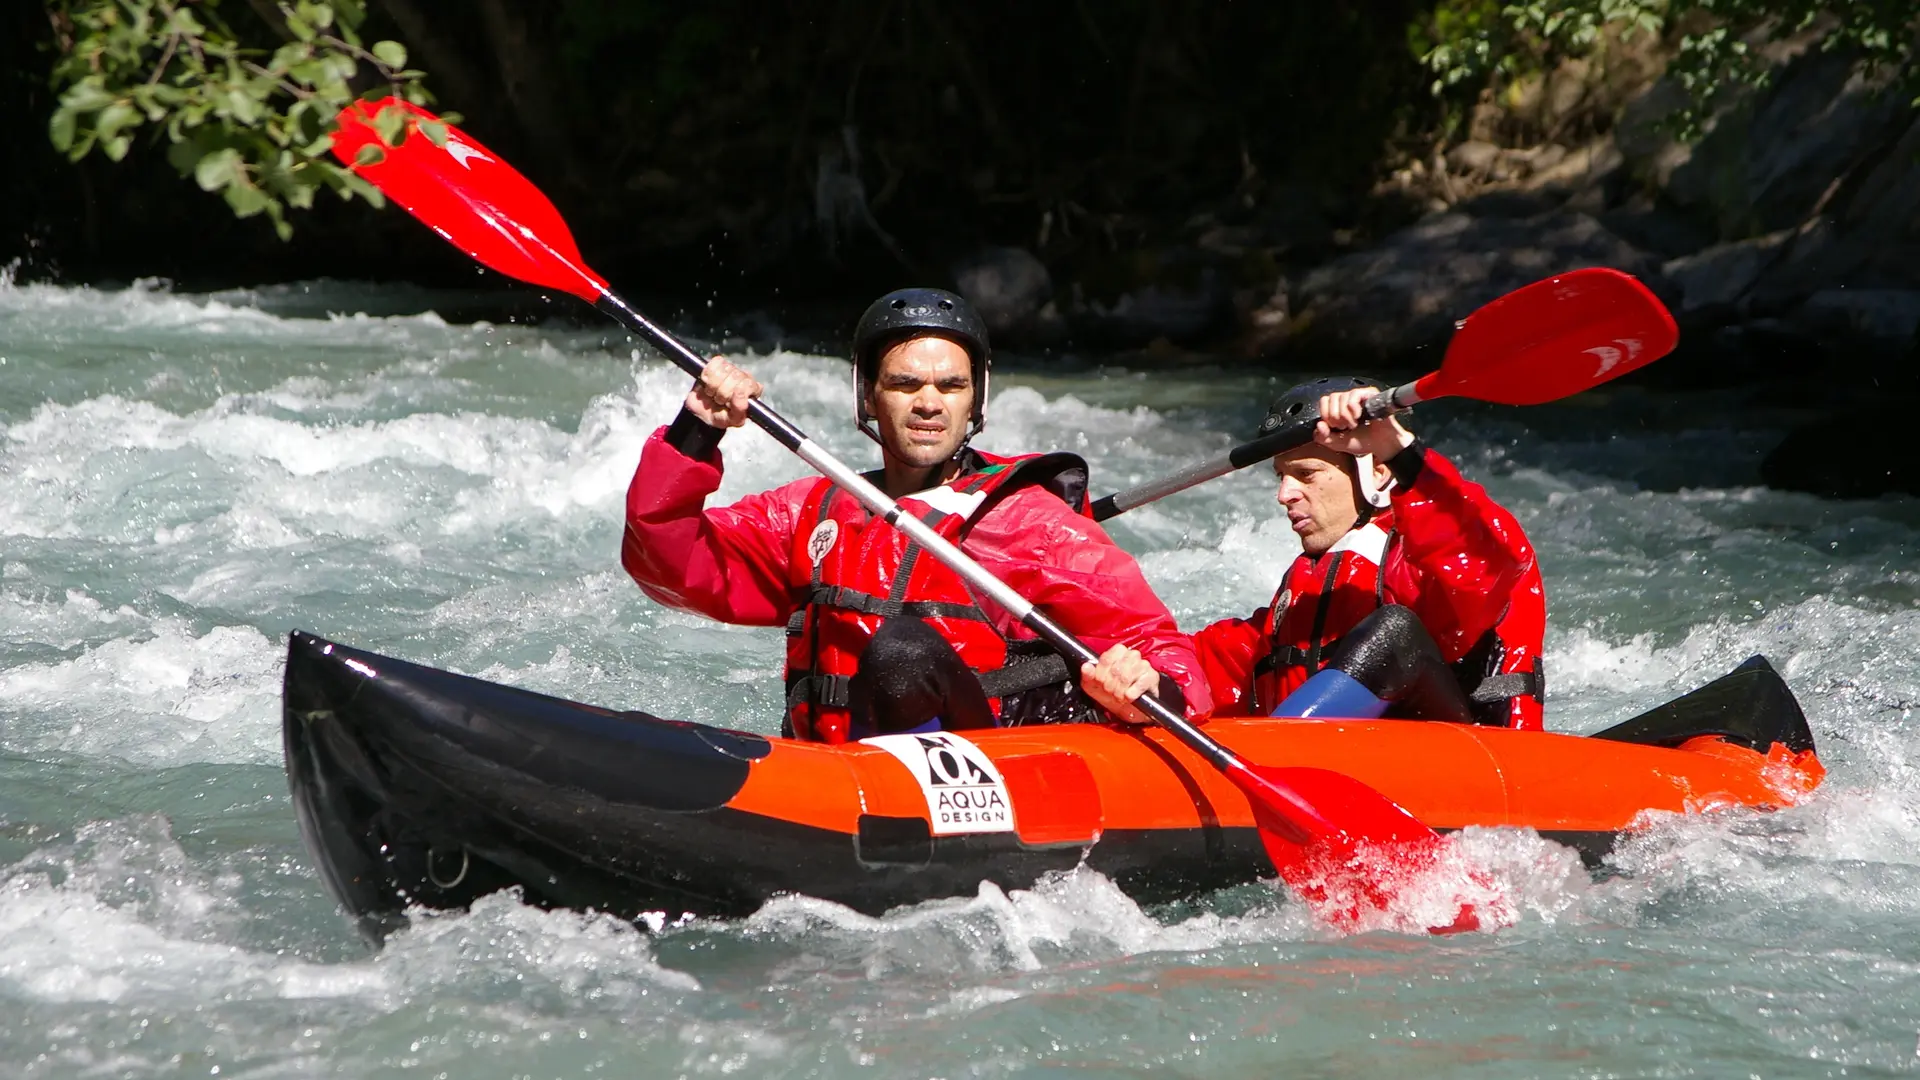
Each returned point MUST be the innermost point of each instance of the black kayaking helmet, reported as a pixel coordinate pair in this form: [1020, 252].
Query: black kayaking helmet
[906, 313]
[1298, 411]
[1299, 408]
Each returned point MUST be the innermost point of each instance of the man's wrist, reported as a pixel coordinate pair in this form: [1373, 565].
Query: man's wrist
[693, 437]
[1406, 464]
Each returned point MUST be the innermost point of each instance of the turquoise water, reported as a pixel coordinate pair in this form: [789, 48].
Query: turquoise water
[183, 479]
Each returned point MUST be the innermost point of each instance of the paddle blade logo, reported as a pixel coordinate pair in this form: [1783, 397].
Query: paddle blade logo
[463, 153]
[1610, 357]
[965, 793]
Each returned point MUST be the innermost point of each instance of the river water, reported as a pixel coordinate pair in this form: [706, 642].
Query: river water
[184, 479]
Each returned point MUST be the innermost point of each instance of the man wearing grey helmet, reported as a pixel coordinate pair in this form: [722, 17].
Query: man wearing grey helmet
[881, 637]
[1415, 594]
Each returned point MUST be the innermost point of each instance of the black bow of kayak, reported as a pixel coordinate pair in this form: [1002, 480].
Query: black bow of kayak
[414, 785]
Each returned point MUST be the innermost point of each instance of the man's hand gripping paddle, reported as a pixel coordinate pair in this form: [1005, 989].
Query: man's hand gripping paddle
[1539, 343]
[1344, 847]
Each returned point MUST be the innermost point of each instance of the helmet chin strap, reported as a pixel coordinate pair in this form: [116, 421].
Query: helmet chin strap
[1376, 496]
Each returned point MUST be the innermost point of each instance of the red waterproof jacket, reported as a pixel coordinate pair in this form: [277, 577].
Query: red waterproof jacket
[732, 563]
[1451, 554]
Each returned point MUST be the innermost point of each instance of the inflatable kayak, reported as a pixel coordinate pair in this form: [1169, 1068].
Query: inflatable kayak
[416, 786]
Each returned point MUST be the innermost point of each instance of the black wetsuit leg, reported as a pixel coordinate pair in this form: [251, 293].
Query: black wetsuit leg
[1394, 657]
[908, 675]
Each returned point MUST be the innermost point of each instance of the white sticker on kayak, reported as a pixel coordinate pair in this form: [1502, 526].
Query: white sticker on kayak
[965, 793]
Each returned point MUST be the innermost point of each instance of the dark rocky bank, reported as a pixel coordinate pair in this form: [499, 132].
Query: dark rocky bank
[1173, 183]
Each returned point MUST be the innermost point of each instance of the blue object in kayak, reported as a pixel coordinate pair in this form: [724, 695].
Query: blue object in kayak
[1332, 693]
[860, 731]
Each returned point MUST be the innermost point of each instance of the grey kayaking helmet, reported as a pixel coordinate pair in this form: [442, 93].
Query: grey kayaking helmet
[1298, 411]
[906, 313]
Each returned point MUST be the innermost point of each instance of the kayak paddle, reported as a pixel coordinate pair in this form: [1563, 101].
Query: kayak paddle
[1344, 847]
[1539, 343]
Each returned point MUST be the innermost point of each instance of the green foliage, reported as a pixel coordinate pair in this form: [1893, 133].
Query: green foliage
[1468, 43]
[253, 124]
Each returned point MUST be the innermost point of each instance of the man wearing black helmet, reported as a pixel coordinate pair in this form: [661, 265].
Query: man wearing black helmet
[1415, 594]
[881, 637]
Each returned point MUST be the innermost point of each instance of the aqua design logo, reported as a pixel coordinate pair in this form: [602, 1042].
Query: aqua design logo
[965, 793]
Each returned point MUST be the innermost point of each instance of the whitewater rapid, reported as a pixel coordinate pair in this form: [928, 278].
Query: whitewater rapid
[184, 479]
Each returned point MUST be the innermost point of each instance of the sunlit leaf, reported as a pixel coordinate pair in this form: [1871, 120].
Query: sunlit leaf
[391, 53]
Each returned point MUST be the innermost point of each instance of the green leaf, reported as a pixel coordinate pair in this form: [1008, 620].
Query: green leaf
[287, 56]
[60, 129]
[217, 170]
[353, 185]
[369, 155]
[245, 199]
[184, 155]
[113, 118]
[237, 104]
[344, 67]
[88, 95]
[181, 21]
[116, 147]
[391, 53]
[391, 123]
[435, 132]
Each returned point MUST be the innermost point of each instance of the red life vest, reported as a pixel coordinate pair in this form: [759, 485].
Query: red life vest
[849, 572]
[1322, 598]
[1514, 686]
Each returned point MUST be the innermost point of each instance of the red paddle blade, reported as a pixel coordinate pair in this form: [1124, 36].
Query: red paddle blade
[1554, 338]
[468, 195]
[1380, 868]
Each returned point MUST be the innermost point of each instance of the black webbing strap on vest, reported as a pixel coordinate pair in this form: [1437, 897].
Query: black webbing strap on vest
[851, 599]
[1315, 650]
[830, 691]
[1283, 657]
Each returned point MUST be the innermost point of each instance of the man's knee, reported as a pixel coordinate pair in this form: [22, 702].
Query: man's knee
[909, 675]
[1395, 624]
[905, 642]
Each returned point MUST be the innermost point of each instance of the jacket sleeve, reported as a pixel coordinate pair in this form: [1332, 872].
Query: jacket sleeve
[728, 563]
[1228, 651]
[1460, 556]
[1227, 656]
[1068, 566]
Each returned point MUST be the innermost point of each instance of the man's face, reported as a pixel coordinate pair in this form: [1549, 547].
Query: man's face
[922, 399]
[1318, 493]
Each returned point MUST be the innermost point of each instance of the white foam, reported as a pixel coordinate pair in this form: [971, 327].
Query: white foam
[121, 915]
[575, 956]
[1077, 915]
[168, 698]
[77, 617]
